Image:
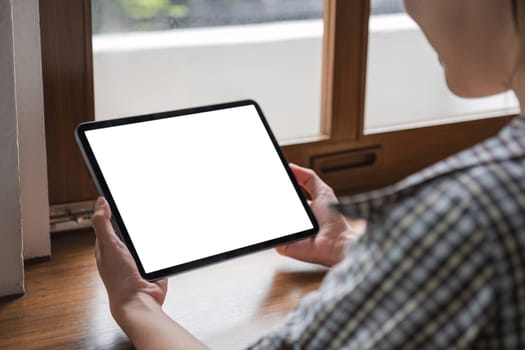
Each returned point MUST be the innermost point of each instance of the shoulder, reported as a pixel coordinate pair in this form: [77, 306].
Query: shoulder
[441, 206]
[496, 194]
[490, 195]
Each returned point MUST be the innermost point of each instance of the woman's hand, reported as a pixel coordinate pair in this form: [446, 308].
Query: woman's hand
[136, 304]
[328, 246]
[117, 268]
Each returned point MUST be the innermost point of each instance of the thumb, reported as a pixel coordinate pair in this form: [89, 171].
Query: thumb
[102, 208]
[101, 221]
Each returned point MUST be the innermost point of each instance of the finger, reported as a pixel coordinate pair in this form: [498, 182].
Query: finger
[160, 293]
[103, 205]
[163, 284]
[300, 250]
[309, 180]
[101, 222]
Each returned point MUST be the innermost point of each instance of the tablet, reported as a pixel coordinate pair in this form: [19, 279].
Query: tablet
[196, 186]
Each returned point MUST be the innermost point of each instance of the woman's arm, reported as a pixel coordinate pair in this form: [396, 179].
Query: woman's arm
[149, 327]
[136, 304]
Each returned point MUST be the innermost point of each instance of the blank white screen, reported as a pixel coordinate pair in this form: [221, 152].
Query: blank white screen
[193, 186]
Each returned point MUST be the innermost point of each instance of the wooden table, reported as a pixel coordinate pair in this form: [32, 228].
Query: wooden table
[227, 305]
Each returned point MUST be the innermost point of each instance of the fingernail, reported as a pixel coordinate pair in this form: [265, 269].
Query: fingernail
[99, 202]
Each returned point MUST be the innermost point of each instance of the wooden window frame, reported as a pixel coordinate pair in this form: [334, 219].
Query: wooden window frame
[67, 68]
[344, 156]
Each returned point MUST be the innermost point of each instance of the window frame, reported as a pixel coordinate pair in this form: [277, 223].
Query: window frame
[343, 155]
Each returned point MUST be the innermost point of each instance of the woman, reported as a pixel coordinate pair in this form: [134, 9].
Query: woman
[442, 263]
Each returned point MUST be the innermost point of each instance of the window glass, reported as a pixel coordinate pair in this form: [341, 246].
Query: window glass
[406, 85]
[140, 15]
[157, 55]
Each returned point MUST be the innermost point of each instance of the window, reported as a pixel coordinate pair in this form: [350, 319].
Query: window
[137, 15]
[386, 7]
[406, 87]
[339, 145]
[165, 55]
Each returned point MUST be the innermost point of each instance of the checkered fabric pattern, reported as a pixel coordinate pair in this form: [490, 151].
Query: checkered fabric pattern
[441, 265]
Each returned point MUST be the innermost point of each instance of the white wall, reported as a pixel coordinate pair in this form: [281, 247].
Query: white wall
[11, 260]
[278, 65]
[24, 208]
[32, 143]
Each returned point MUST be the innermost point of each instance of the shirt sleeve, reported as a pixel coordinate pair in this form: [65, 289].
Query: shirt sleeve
[419, 279]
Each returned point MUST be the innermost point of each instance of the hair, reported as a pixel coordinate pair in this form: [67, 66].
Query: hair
[514, 8]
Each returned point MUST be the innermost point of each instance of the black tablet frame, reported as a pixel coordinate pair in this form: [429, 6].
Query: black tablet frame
[118, 223]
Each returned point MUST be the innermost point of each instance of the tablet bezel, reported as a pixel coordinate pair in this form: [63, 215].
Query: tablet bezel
[118, 223]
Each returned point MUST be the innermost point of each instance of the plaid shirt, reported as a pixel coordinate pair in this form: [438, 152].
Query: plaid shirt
[441, 265]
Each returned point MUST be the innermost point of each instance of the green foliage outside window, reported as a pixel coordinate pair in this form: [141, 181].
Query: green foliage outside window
[149, 9]
[109, 16]
[136, 15]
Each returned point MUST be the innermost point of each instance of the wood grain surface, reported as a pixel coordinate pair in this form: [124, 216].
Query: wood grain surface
[227, 305]
[65, 31]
